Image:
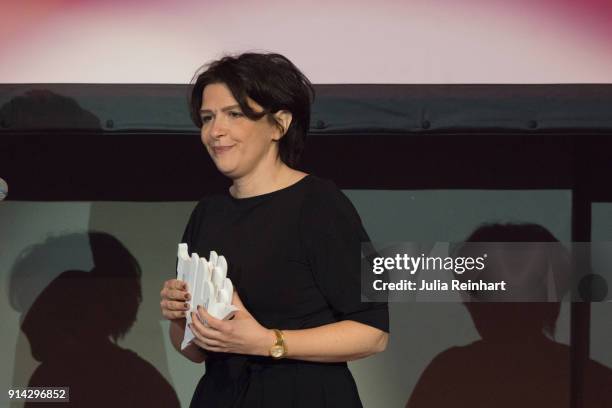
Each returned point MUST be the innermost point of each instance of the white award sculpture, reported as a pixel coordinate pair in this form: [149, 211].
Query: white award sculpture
[208, 284]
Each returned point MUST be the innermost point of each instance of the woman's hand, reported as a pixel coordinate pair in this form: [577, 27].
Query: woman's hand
[174, 299]
[241, 335]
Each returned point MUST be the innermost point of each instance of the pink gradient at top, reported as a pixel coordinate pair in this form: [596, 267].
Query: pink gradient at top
[23, 15]
[30, 33]
[21, 19]
[593, 16]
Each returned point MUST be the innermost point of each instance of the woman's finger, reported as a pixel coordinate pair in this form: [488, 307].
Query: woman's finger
[206, 347]
[180, 295]
[172, 305]
[205, 332]
[173, 294]
[175, 284]
[210, 342]
[170, 315]
[211, 321]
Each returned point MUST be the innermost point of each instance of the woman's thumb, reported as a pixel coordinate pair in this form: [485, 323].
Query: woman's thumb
[236, 301]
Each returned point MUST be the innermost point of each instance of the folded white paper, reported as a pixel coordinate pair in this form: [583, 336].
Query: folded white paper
[208, 285]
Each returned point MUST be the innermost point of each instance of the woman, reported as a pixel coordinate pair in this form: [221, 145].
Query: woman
[292, 242]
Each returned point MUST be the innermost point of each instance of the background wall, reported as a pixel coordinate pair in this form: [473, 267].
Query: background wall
[345, 41]
[150, 232]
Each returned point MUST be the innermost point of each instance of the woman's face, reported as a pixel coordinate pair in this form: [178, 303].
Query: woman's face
[236, 144]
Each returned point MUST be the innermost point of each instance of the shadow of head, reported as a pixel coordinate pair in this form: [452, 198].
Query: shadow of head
[536, 268]
[64, 312]
[44, 109]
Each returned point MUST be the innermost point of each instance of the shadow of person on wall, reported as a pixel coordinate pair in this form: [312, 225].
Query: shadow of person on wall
[74, 322]
[43, 109]
[516, 363]
[51, 143]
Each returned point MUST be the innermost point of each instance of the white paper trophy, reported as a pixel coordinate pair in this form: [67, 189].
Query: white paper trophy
[208, 284]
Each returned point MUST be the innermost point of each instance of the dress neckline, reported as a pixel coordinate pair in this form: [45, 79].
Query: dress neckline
[264, 196]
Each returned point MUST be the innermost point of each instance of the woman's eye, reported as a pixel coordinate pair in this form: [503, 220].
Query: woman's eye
[236, 114]
[205, 119]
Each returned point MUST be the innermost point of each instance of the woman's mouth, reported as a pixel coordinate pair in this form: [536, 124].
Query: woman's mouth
[218, 150]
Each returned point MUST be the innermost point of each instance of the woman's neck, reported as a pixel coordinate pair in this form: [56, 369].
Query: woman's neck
[265, 180]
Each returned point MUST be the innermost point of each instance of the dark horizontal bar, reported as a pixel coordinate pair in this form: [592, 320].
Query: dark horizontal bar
[346, 108]
[162, 167]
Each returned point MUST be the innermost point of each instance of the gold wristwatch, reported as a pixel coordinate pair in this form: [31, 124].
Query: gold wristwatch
[279, 348]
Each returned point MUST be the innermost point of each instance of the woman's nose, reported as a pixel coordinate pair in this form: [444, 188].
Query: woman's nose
[217, 128]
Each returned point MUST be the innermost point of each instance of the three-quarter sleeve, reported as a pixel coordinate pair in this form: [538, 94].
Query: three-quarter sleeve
[332, 234]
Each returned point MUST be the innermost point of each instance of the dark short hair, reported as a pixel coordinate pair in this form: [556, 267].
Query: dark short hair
[273, 82]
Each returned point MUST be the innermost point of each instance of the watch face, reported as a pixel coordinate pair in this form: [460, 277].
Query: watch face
[277, 351]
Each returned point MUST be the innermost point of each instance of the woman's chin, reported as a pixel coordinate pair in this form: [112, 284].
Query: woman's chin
[227, 171]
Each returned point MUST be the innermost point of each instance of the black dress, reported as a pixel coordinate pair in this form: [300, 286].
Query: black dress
[294, 258]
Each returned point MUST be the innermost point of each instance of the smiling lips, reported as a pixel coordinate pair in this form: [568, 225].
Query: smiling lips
[217, 150]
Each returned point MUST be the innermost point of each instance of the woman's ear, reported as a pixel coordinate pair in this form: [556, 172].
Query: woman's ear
[283, 118]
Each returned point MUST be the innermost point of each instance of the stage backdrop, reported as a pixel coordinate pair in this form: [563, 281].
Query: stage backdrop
[342, 41]
[150, 232]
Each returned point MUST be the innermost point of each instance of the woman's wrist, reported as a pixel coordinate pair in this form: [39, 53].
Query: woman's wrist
[267, 342]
